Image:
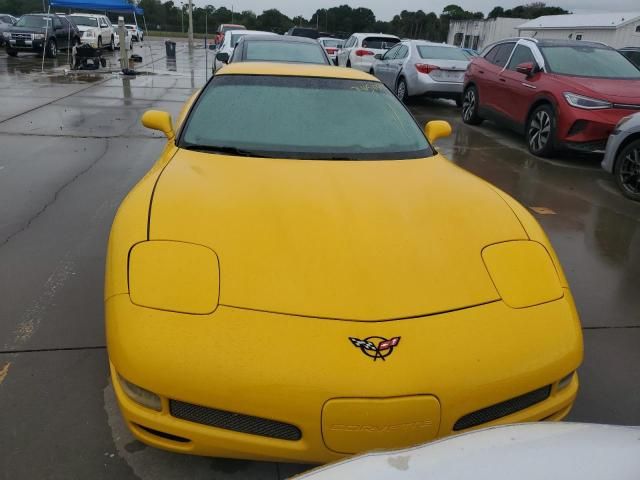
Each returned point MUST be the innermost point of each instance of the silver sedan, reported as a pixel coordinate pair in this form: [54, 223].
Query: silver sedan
[417, 67]
[622, 157]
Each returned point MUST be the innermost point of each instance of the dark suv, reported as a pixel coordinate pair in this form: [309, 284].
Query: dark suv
[37, 31]
[557, 93]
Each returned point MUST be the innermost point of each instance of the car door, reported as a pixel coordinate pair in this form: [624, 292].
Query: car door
[60, 33]
[396, 64]
[492, 88]
[519, 90]
[382, 68]
[343, 55]
[105, 31]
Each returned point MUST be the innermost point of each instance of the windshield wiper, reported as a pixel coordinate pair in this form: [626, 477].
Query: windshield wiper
[224, 150]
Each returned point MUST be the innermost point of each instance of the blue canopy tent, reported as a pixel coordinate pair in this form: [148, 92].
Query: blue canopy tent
[117, 6]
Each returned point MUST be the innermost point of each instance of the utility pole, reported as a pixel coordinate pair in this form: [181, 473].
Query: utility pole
[182, 17]
[190, 24]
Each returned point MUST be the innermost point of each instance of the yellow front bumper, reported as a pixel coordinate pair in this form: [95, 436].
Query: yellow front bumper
[288, 369]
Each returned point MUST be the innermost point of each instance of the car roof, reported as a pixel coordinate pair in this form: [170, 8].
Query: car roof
[249, 32]
[432, 44]
[294, 70]
[569, 43]
[383, 35]
[278, 38]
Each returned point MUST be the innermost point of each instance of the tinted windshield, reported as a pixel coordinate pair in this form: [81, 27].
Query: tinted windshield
[33, 21]
[297, 117]
[379, 43]
[270, 51]
[442, 53]
[85, 21]
[588, 61]
[332, 43]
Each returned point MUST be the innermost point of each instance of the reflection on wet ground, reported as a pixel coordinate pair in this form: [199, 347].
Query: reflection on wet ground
[71, 147]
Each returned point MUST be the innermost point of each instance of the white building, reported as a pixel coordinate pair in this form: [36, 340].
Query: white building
[615, 29]
[477, 34]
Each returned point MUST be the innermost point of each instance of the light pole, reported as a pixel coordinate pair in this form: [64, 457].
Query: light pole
[182, 17]
[190, 24]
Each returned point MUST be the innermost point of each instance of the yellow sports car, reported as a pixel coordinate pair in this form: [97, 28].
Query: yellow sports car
[301, 276]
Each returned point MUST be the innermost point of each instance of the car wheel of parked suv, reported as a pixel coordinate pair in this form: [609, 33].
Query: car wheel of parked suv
[112, 45]
[627, 170]
[51, 50]
[12, 53]
[470, 107]
[401, 90]
[541, 129]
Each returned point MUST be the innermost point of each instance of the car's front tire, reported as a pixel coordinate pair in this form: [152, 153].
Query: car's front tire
[99, 42]
[12, 53]
[627, 170]
[112, 45]
[470, 104]
[51, 50]
[541, 130]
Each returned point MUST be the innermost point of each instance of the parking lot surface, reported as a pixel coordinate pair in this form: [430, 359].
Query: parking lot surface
[71, 147]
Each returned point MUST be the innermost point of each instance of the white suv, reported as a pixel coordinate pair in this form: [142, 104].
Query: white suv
[360, 49]
[97, 30]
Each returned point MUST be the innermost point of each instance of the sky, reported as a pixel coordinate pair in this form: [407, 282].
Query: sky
[386, 9]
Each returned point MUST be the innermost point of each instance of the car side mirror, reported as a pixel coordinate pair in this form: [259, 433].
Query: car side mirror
[222, 57]
[378, 56]
[437, 129]
[527, 68]
[212, 46]
[159, 120]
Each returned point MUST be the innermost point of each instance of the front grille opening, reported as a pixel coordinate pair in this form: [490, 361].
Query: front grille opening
[502, 409]
[166, 436]
[237, 422]
[577, 127]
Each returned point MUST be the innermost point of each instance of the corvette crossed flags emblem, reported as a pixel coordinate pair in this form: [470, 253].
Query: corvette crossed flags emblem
[376, 347]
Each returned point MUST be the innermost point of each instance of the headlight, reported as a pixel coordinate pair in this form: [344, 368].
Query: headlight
[38, 36]
[175, 276]
[6, 34]
[89, 34]
[140, 395]
[522, 272]
[588, 103]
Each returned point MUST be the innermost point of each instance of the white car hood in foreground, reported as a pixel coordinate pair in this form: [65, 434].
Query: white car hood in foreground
[532, 451]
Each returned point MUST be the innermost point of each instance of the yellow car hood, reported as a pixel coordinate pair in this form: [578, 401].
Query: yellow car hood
[352, 240]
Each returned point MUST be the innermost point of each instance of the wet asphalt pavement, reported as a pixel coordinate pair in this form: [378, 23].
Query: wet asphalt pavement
[71, 147]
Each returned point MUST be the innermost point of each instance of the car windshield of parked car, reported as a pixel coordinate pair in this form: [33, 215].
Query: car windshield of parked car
[332, 43]
[379, 43]
[85, 21]
[588, 61]
[441, 53]
[270, 51]
[235, 38]
[34, 21]
[303, 117]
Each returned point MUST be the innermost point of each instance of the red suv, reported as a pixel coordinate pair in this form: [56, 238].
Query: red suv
[560, 94]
